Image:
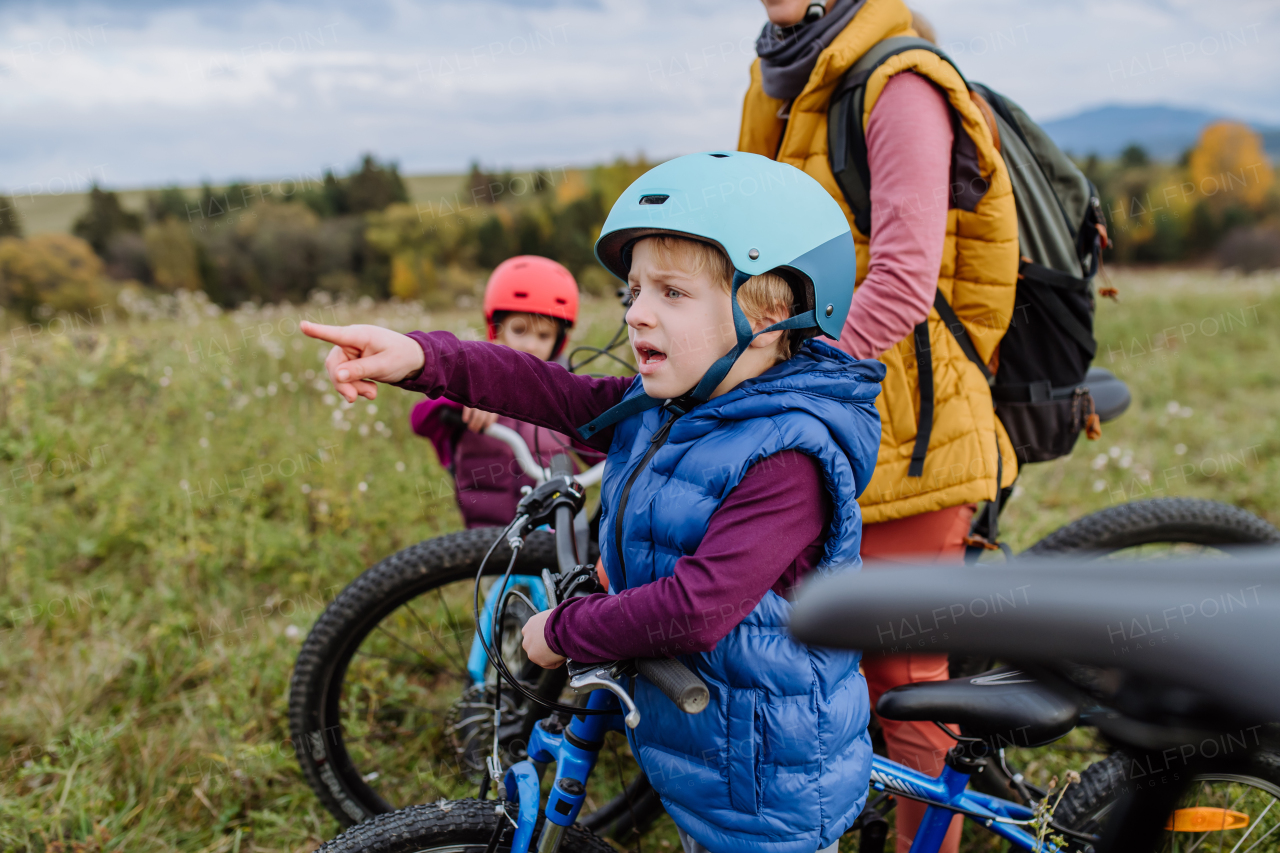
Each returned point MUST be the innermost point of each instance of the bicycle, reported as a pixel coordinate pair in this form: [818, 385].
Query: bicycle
[1038, 715]
[390, 669]
[1181, 711]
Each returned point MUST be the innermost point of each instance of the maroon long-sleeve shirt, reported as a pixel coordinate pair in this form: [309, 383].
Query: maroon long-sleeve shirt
[767, 534]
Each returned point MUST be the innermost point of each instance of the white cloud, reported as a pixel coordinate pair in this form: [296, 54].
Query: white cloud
[1057, 57]
[157, 93]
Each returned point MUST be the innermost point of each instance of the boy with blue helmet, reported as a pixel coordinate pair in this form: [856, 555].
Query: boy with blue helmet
[735, 461]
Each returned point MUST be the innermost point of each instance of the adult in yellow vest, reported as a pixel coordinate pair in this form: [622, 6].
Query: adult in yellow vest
[927, 236]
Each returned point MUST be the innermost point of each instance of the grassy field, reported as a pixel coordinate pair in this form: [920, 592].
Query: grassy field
[181, 496]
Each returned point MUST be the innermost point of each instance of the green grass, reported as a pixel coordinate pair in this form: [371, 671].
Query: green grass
[176, 512]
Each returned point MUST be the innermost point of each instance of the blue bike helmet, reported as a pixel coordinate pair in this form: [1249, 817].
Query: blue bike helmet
[765, 216]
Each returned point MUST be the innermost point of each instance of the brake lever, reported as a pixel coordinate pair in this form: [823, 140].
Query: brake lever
[584, 678]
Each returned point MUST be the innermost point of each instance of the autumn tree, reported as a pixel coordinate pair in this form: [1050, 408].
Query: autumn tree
[10, 220]
[56, 270]
[375, 186]
[170, 203]
[173, 256]
[104, 219]
[1230, 168]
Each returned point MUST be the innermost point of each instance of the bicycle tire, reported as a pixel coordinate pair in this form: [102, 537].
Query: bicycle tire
[449, 826]
[1084, 805]
[317, 684]
[1191, 521]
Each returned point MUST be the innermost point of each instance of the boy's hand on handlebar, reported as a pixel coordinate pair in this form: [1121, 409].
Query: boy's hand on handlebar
[478, 420]
[364, 355]
[535, 642]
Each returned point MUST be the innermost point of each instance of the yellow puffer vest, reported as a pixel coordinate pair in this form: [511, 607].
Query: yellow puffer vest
[978, 277]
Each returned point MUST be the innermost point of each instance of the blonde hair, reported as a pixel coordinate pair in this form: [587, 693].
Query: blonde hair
[760, 296]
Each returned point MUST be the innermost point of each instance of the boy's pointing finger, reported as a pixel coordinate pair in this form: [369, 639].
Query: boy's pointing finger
[340, 335]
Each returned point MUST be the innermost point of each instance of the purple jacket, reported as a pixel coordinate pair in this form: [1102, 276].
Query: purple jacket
[485, 471]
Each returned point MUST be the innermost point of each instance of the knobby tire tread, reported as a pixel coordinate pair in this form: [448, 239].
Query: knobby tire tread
[1190, 520]
[448, 822]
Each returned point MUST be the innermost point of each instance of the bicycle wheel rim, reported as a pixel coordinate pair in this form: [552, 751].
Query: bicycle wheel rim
[1253, 796]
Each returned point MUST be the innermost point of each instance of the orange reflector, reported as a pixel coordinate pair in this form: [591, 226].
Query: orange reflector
[1205, 819]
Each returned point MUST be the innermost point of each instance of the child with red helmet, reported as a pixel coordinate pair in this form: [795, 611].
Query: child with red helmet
[530, 303]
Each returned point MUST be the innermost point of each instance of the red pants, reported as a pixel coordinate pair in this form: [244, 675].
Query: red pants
[934, 536]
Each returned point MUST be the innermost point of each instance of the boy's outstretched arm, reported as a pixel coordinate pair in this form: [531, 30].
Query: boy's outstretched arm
[480, 375]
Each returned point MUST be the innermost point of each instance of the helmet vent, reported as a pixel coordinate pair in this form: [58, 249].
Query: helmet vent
[520, 294]
[653, 199]
[560, 301]
[720, 155]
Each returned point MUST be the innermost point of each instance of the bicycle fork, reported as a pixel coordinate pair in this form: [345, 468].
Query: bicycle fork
[574, 749]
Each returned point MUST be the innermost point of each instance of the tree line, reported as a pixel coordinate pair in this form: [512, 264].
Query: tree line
[360, 234]
[351, 236]
[1217, 204]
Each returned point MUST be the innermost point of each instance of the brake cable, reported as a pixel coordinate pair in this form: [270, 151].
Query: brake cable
[499, 664]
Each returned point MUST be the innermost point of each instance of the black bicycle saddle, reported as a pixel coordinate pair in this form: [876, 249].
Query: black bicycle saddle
[1005, 707]
[1195, 641]
[1110, 395]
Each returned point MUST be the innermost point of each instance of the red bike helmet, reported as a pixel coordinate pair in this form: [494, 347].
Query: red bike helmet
[531, 284]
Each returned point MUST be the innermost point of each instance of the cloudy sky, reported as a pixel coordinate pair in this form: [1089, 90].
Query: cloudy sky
[144, 93]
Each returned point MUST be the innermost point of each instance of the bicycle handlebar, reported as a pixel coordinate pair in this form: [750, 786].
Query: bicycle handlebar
[677, 681]
[523, 455]
[566, 553]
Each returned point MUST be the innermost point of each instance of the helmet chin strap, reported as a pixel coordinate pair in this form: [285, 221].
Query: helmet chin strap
[715, 374]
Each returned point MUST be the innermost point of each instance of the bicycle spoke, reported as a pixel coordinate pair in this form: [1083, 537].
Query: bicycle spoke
[457, 635]
[1263, 838]
[426, 665]
[1254, 825]
[1203, 836]
[462, 669]
[411, 649]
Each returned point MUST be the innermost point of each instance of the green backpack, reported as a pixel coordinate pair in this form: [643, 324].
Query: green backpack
[1039, 386]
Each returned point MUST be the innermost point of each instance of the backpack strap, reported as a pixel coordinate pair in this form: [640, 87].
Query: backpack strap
[924, 425]
[924, 370]
[846, 137]
[961, 334]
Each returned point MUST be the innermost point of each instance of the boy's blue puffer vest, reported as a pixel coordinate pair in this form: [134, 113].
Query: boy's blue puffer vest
[780, 760]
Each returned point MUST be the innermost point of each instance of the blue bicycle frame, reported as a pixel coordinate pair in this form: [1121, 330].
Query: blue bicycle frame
[946, 796]
[575, 750]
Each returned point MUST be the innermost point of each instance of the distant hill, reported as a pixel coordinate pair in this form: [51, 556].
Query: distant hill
[1165, 132]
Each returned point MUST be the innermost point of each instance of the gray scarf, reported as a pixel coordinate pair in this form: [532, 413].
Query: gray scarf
[788, 54]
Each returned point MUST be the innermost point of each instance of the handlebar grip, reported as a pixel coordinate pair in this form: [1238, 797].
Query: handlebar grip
[450, 416]
[678, 683]
[561, 465]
